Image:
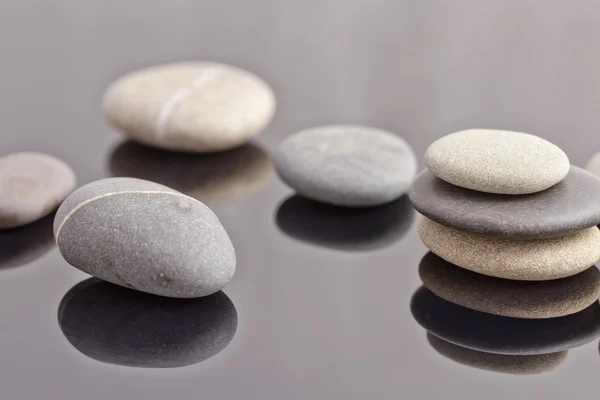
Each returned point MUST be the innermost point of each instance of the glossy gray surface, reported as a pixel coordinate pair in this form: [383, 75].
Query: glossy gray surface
[313, 322]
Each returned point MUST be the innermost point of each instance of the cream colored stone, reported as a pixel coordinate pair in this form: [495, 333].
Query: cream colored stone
[530, 260]
[494, 161]
[196, 106]
[32, 186]
[594, 165]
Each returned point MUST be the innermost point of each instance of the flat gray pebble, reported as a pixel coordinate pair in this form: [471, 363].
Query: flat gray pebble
[565, 208]
[145, 236]
[352, 166]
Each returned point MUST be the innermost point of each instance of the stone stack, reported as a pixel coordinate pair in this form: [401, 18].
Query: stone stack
[512, 228]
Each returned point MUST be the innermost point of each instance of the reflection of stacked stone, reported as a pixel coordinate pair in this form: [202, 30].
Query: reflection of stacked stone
[513, 230]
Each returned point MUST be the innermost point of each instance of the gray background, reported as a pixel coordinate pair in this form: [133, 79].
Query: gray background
[313, 322]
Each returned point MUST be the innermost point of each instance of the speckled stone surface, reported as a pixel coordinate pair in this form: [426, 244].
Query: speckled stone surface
[503, 363]
[211, 178]
[528, 260]
[594, 165]
[23, 245]
[145, 236]
[349, 229]
[495, 161]
[522, 299]
[119, 326]
[193, 106]
[352, 166]
[567, 207]
[32, 186]
[503, 335]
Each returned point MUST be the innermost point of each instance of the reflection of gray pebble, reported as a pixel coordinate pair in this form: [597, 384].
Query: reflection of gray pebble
[145, 236]
[32, 186]
[508, 364]
[503, 335]
[152, 332]
[350, 229]
[193, 106]
[346, 165]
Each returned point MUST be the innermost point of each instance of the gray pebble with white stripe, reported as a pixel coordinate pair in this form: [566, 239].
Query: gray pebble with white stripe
[145, 236]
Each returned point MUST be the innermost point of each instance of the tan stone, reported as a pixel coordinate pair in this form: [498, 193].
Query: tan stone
[196, 106]
[530, 260]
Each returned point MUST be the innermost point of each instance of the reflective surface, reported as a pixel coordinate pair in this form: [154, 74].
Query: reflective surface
[313, 321]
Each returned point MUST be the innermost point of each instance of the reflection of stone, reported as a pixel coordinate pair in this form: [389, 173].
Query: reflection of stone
[503, 335]
[120, 326]
[521, 299]
[20, 246]
[210, 178]
[345, 228]
[508, 364]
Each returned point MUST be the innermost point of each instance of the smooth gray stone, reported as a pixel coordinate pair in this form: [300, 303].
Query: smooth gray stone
[120, 326]
[567, 207]
[349, 229]
[503, 335]
[145, 236]
[503, 363]
[352, 166]
[210, 178]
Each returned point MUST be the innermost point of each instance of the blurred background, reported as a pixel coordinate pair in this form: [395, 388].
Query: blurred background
[313, 323]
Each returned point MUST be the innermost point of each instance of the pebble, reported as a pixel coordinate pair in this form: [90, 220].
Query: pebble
[193, 106]
[594, 165]
[23, 245]
[521, 299]
[348, 229]
[503, 335]
[495, 161]
[152, 332]
[145, 236]
[352, 166]
[528, 260]
[32, 186]
[210, 178]
[507, 364]
[568, 207]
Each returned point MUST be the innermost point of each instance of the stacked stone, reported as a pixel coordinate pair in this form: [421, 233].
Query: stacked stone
[512, 228]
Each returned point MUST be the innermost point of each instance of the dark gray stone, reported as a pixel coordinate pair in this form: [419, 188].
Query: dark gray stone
[521, 299]
[503, 335]
[507, 364]
[566, 207]
[120, 326]
[353, 166]
[145, 236]
[211, 178]
[351, 229]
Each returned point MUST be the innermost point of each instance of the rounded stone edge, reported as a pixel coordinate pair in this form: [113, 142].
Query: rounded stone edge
[282, 166]
[442, 172]
[424, 235]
